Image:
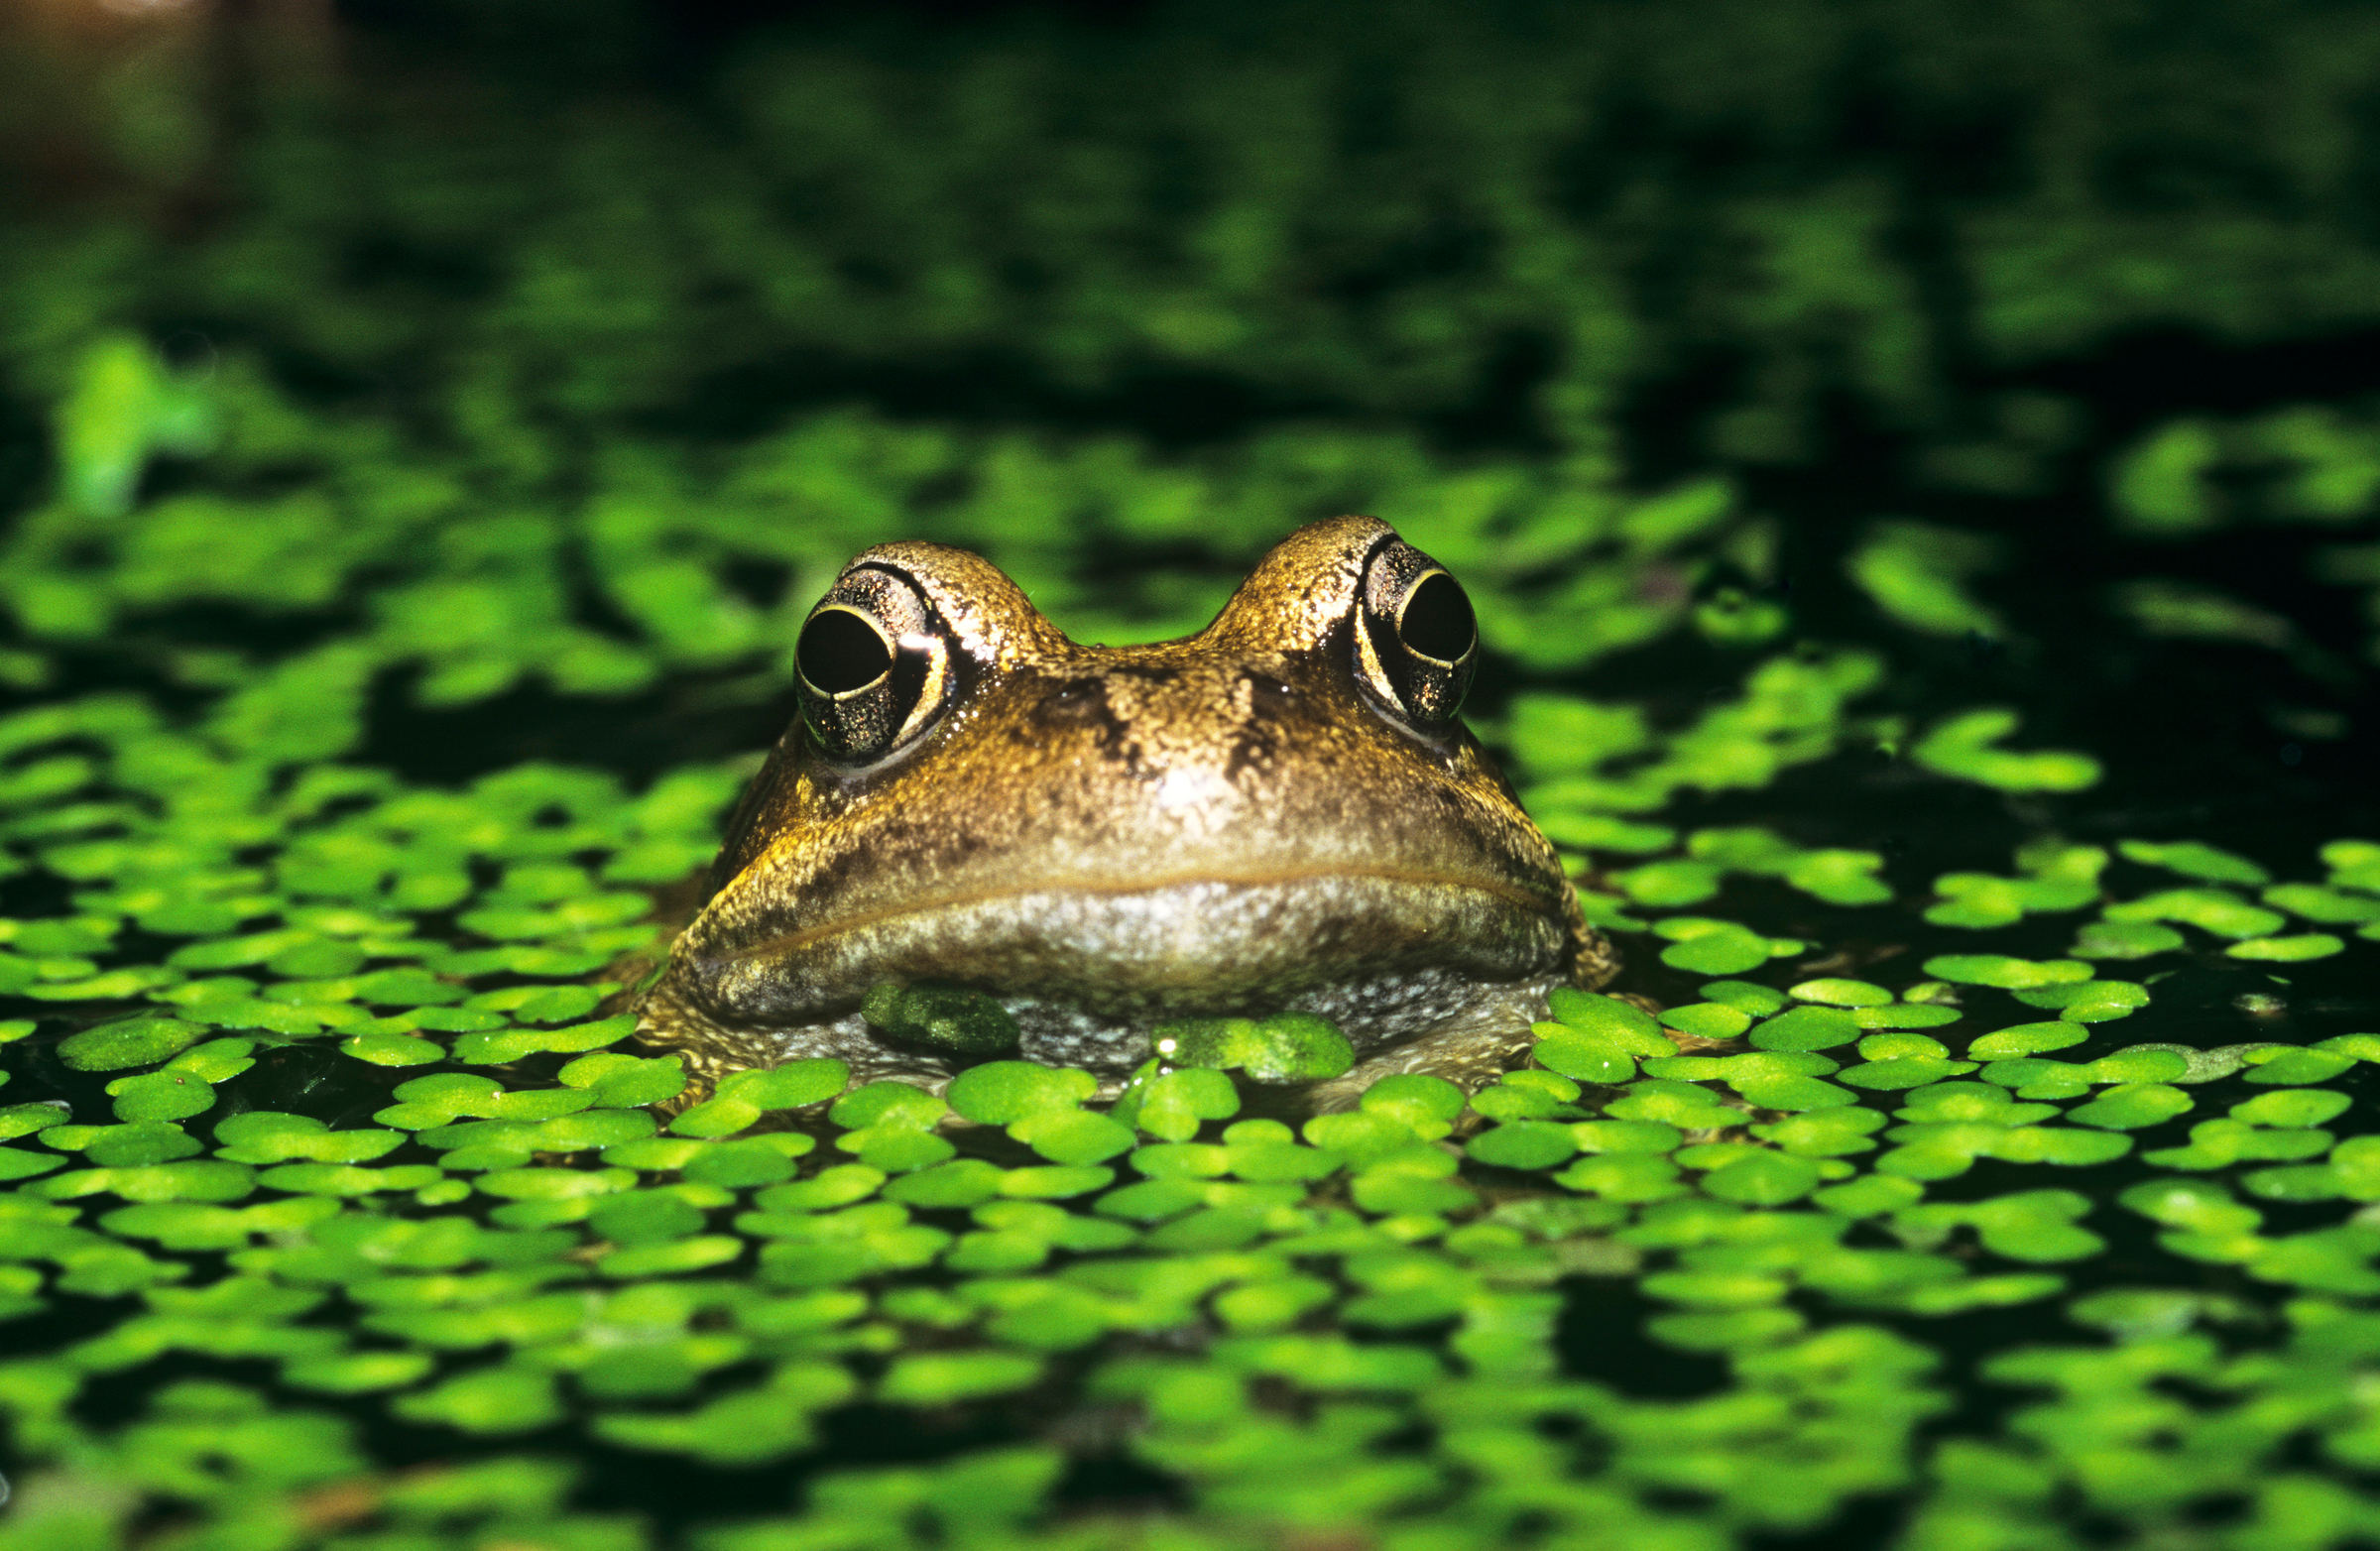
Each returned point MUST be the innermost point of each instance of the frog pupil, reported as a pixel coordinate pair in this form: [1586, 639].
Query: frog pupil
[1437, 621]
[839, 652]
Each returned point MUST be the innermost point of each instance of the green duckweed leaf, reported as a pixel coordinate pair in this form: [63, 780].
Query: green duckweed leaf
[2363, 1047]
[737, 1165]
[889, 1104]
[1509, 1101]
[1905, 1015]
[1806, 1028]
[1357, 1135]
[2026, 1039]
[957, 1019]
[1617, 1022]
[499, 1046]
[2090, 1001]
[2301, 1107]
[1173, 1105]
[2288, 950]
[139, 1041]
[357, 1372]
[1626, 1135]
[631, 1216]
[2141, 1064]
[2328, 907]
[2195, 859]
[622, 1081]
[1841, 877]
[2292, 1067]
[1581, 1057]
[1073, 1136]
[1523, 1144]
[894, 1148]
[1273, 1305]
[1832, 1132]
[1674, 882]
[1706, 1021]
[998, 1093]
[218, 1060]
[676, 1258]
[489, 1400]
[2034, 1077]
[22, 1120]
[1626, 1177]
[161, 1096]
[270, 1136]
[1415, 1178]
[1763, 1179]
[198, 1179]
[1904, 1071]
[791, 1086]
[2132, 1105]
[1743, 996]
[939, 1379]
[1964, 746]
[1425, 1106]
[344, 1180]
[2215, 911]
[1286, 1048]
[1055, 1181]
[391, 1049]
[960, 1182]
[1676, 1104]
[1837, 992]
[138, 1142]
[2113, 939]
[1708, 947]
[1993, 969]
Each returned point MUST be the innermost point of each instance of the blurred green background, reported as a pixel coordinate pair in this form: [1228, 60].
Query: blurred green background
[530, 347]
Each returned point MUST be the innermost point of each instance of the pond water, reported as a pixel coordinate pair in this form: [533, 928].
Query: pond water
[1954, 692]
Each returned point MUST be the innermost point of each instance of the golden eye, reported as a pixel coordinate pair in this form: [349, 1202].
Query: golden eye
[874, 661]
[1419, 639]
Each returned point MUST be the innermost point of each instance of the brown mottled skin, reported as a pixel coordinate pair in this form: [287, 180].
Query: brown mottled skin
[1108, 837]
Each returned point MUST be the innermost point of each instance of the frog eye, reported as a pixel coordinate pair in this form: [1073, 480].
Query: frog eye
[1419, 639]
[874, 661]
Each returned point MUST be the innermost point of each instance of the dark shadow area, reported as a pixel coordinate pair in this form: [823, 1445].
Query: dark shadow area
[1599, 1336]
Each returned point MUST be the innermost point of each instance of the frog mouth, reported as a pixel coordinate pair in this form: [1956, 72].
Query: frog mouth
[1285, 881]
[1202, 943]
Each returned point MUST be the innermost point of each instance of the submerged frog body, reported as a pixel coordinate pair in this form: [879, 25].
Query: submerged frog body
[1277, 814]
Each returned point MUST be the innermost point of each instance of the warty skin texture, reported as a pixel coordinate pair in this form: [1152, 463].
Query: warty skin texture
[1105, 838]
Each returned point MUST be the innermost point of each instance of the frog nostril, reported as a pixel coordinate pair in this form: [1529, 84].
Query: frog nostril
[1268, 690]
[1072, 701]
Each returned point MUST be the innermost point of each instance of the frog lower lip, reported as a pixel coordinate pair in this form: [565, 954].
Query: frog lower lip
[1162, 944]
[1176, 895]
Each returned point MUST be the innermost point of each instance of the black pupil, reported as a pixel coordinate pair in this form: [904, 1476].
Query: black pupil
[1437, 621]
[838, 652]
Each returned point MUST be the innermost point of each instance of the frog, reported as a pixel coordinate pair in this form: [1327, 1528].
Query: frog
[1282, 814]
